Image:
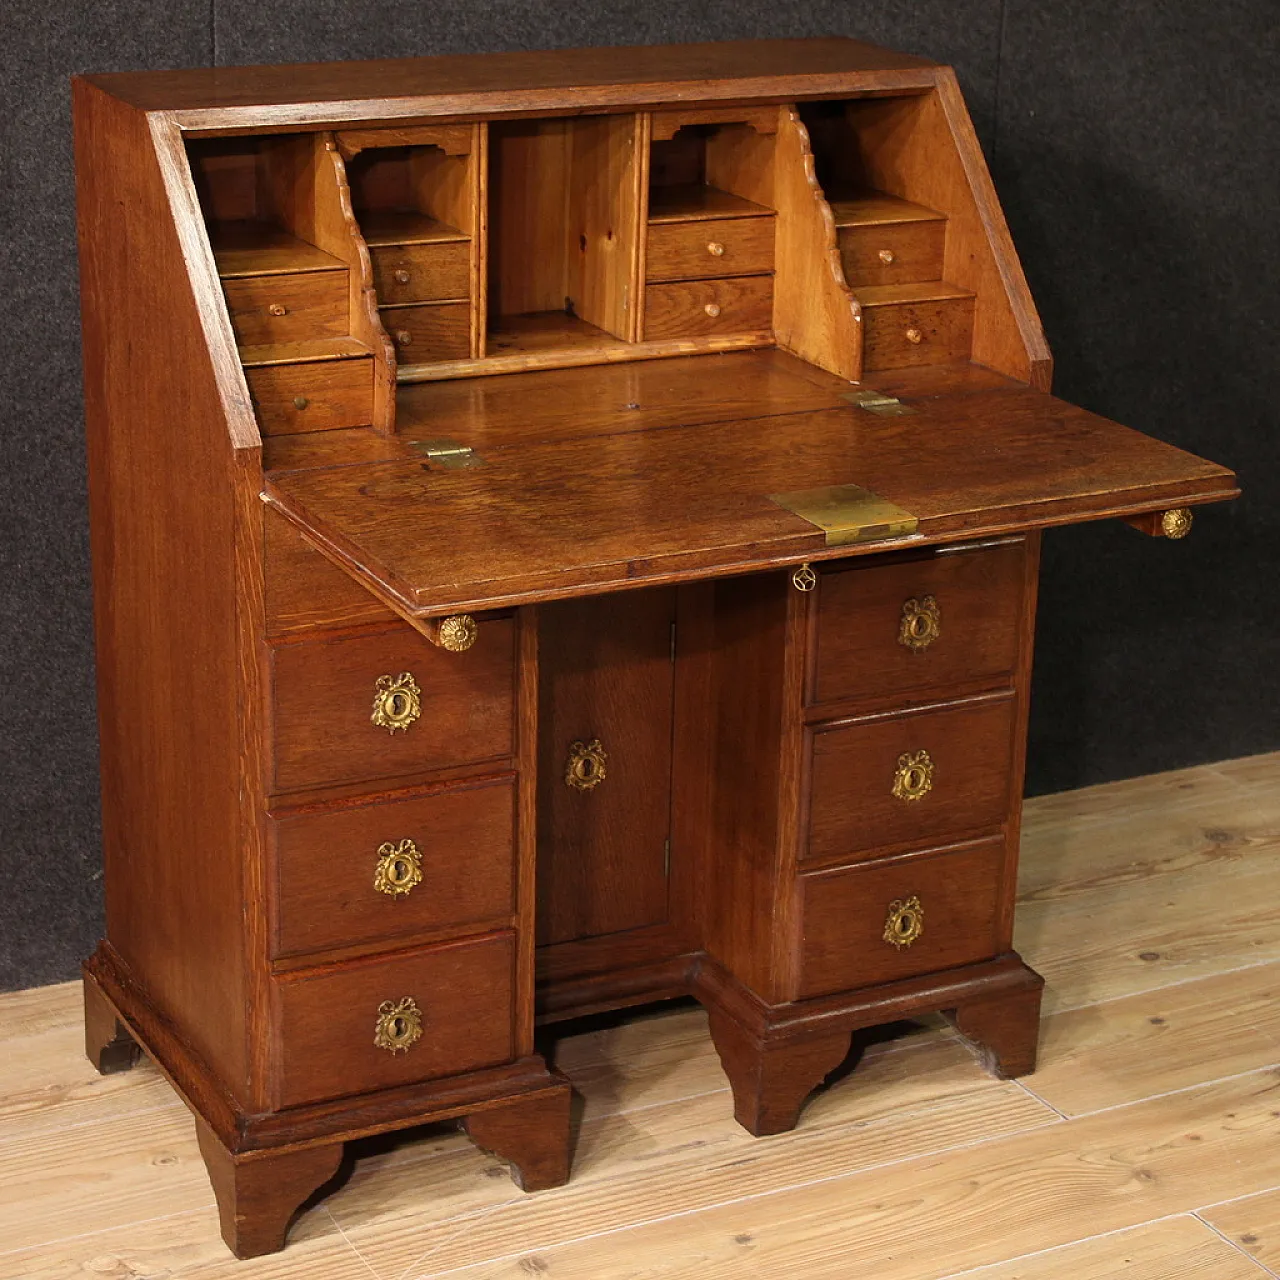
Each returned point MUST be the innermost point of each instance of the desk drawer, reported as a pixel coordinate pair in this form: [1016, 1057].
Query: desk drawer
[319, 395]
[372, 873]
[892, 253]
[704, 308]
[898, 334]
[430, 331]
[909, 780]
[422, 272]
[709, 247]
[352, 1029]
[454, 708]
[915, 626]
[293, 307]
[939, 909]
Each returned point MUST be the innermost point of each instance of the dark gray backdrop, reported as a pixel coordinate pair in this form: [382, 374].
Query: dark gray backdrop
[1134, 144]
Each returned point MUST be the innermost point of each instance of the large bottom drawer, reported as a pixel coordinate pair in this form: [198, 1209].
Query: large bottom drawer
[396, 1020]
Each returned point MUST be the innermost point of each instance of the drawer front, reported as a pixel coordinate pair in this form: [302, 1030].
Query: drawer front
[897, 919]
[377, 872]
[704, 308]
[899, 334]
[317, 396]
[893, 252]
[916, 626]
[288, 307]
[352, 1029]
[429, 332]
[326, 694]
[422, 272]
[910, 780]
[709, 247]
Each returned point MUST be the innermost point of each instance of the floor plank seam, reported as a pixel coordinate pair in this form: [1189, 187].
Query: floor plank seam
[115, 1226]
[1240, 1249]
[1248, 1195]
[1271, 1068]
[347, 1241]
[464, 1220]
[1031, 1093]
[175, 1105]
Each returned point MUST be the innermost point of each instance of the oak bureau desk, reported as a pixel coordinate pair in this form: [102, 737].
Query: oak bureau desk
[565, 534]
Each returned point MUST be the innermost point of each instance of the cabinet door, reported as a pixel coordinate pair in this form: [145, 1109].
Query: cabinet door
[607, 676]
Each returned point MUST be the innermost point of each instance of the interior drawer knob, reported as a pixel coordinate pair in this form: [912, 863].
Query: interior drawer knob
[300, 402]
[399, 868]
[586, 766]
[886, 256]
[715, 249]
[397, 702]
[921, 623]
[278, 309]
[712, 309]
[400, 276]
[403, 337]
[904, 923]
[915, 336]
[399, 1025]
[913, 779]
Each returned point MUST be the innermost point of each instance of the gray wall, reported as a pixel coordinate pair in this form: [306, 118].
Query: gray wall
[1135, 148]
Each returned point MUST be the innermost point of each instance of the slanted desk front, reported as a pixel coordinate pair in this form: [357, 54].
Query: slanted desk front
[565, 535]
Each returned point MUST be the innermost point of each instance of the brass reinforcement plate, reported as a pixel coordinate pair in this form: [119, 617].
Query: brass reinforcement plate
[848, 513]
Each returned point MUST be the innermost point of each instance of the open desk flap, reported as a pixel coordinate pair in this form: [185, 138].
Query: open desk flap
[538, 521]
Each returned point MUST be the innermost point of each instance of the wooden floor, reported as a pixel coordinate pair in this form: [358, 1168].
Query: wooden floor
[1148, 1143]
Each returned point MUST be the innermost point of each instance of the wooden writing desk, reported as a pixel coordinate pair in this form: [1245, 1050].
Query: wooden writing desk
[565, 534]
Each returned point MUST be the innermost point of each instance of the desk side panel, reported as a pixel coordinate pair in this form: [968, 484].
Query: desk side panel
[162, 487]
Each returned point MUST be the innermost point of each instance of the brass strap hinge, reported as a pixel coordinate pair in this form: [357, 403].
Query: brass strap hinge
[448, 454]
[878, 402]
[847, 513]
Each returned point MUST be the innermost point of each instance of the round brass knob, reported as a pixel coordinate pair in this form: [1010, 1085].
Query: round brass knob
[712, 309]
[399, 868]
[886, 256]
[804, 578]
[915, 336]
[586, 766]
[400, 276]
[715, 249]
[1176, 523]
[403, 337]
[457, 634]
[913, 779]
[921, 623]
[399, 1025]
[277, 309]
[397, 702]
[904, 923]
[300, 402]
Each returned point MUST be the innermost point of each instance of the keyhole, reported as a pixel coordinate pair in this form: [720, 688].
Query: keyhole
[919, 626]
[399, 1028]
[399, 704]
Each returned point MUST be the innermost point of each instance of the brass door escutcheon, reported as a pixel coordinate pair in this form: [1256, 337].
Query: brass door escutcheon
[586, 767]
[921, 623]
[399, 1025]
[399, 868]
[904, 923]
[914, 777]
[397, 702]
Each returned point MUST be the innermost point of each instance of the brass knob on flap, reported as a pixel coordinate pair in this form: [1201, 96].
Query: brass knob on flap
[400, 276]
[397, 702]
[399, 1025]
[458, 633]
[904, 923]
[921, 623]
[913, 779]
[1176, 523]
[804, 578]
[399, 868]
[586, 767]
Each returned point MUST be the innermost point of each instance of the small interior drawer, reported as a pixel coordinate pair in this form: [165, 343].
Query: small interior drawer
[899, 331]
[892, 252]
[709, 247]
[703, 308]
[915, 626]
[909, 780]
[294, 306]
[319, 395]
[422, 272]
[895, 919]
[333, 699]
[331, 1021]
[430, 331]
[371, 873]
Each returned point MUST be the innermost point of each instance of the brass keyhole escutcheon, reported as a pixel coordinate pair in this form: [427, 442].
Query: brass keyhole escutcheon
[914, 777]
[804, 578]
[458, 633]
[399, 1025]
[921, 623]
[397, 702]
[399, 868]
[904, 923]
[1176, 523]
[587, 765]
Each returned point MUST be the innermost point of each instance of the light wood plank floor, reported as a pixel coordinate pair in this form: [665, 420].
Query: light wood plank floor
[1147, 1145]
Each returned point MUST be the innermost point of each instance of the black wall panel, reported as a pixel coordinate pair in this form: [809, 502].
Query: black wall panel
[1135, 149]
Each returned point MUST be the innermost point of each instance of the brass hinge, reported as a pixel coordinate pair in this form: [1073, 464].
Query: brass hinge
[878, 402]
[847, 513]
[448, 454]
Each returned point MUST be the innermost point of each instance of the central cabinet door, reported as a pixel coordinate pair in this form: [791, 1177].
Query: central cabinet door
[605, 705]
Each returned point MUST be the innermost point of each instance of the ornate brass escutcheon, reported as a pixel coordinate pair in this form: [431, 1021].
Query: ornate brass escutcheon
[399, 1025]
[904, 923]
[399, 868]
[458, 633]
[921, 623]
[586, 767]
[397, 702]
[804, 578]
[914, 777]
[1176, 523]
